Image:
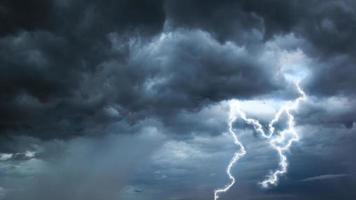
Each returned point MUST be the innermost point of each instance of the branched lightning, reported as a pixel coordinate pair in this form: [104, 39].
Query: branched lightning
[281, 143]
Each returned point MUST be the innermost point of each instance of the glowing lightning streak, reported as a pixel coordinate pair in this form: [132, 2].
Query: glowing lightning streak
[272, 179]
[237, 155]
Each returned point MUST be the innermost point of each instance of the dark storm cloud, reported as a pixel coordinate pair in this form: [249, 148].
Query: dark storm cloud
[46, 49]
[79, 16]
[148, 82]
[328, 26]
[17, 15]
[38, 75]
[51, 67]
[334, 76]
[225, 19]
[60, 80]
[189, 69]
[237, 19]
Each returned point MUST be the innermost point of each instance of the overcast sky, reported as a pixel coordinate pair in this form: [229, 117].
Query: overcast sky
[128, 99]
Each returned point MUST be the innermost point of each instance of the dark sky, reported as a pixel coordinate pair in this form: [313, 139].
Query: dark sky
[128, 99]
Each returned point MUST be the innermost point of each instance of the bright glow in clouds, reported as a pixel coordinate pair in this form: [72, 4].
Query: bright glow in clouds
[280, 142]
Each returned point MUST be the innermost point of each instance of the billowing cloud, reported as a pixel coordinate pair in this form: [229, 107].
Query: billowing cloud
[128, 99]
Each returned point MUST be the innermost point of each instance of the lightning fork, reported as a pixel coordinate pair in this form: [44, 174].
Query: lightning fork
[272, 179]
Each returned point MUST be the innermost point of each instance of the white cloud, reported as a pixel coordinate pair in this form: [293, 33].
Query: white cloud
[5, 156]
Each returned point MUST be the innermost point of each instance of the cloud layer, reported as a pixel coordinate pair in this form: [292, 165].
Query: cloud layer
[128, 99]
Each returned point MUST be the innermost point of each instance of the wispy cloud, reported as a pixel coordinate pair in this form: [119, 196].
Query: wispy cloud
[22, 156]
[324, 177]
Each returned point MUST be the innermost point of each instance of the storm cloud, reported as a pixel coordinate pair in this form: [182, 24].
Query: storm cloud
[127, 99]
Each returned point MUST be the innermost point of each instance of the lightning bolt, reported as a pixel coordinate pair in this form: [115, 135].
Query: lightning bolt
[239, 154]
[277, 142]
[280, 142]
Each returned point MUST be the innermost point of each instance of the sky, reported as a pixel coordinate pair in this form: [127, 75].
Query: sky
[129, 99]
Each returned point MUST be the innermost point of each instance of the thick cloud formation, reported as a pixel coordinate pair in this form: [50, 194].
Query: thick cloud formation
[132, 94]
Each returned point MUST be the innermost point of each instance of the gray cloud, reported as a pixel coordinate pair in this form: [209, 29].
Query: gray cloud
[127, 99]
